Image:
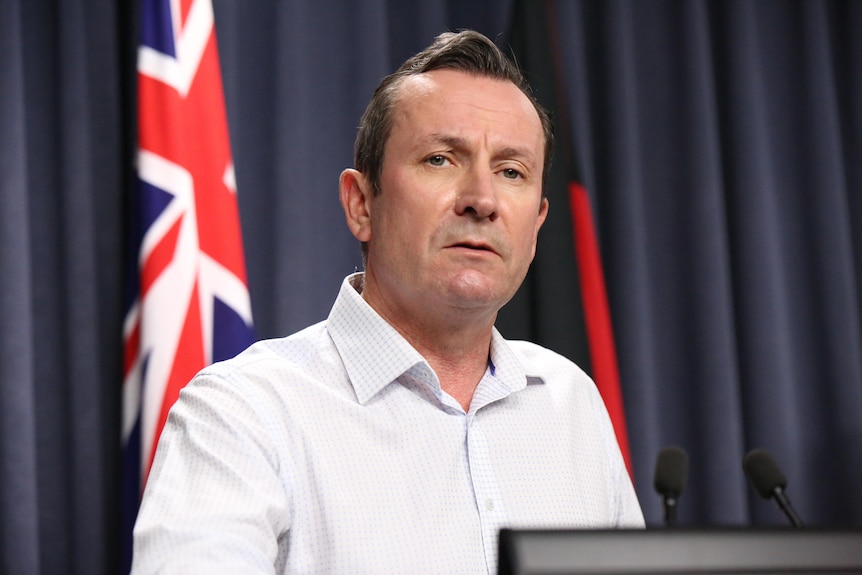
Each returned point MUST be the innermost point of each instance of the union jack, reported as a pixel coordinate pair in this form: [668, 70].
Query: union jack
[188, 302]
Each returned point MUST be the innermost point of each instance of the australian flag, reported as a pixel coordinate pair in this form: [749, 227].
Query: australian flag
[188, 302]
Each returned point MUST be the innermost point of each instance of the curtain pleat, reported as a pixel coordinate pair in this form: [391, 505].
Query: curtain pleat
[19, 526]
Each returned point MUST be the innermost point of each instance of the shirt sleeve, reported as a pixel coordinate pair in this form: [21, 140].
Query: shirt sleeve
[215, 501]
[628, 512]
[630, 515]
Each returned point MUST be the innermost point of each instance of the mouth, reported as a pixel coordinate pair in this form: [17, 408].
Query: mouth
[475, 246]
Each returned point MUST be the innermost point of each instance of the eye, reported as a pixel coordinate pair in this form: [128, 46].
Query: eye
[511, 173]
[437, 161]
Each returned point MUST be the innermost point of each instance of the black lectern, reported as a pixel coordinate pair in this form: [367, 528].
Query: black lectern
[675, 551]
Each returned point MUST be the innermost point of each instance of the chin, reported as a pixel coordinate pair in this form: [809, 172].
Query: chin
[471, 292]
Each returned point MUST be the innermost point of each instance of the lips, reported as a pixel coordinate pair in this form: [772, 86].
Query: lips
[486, 240]
[474, 245]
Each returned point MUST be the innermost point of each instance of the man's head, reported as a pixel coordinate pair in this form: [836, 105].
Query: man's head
[448, 203]
[466, 51]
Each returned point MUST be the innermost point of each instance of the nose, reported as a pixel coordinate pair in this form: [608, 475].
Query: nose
[476, 196]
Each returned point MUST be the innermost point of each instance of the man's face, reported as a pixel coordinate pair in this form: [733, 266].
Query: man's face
[455, 224]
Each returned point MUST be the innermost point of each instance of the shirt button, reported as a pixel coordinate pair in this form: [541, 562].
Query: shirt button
[489, 504]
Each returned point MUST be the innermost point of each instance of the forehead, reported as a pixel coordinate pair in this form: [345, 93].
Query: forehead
[461, 104]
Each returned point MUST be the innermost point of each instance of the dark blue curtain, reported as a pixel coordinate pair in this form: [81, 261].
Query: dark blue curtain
[721, 143]
[61, 191]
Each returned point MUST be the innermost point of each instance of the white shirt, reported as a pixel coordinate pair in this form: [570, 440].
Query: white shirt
[335, 450]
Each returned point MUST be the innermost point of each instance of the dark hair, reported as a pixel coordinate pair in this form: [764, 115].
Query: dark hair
[466, 51]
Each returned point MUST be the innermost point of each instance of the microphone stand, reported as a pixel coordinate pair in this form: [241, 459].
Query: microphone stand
[669, 510]
[784, 504]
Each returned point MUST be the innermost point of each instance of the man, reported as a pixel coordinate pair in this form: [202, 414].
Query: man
[399, 435]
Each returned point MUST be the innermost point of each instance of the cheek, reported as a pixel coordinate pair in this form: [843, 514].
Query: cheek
[400, 230]
[411, 220]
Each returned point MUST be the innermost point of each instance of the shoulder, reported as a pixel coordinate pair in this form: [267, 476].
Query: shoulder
[547, 364]
[300, 351]
[563, 381]
[274, 373]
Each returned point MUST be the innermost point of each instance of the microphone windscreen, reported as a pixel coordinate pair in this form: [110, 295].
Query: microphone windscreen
[763, 472]
[671, 471]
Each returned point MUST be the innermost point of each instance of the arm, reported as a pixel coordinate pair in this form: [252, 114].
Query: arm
[215, 501]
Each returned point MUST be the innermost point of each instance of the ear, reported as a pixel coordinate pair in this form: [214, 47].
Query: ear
[356, 195]
[543, 214]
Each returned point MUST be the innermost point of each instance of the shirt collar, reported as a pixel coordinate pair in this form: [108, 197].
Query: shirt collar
[375, 354]
[506, 366]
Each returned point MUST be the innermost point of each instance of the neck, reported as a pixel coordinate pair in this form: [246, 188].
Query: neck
[459, 359]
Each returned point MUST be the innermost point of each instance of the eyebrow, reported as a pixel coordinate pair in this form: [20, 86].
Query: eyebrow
[450, 141]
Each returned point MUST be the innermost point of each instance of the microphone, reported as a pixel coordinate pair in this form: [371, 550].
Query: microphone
[671, 472]
[769, 481]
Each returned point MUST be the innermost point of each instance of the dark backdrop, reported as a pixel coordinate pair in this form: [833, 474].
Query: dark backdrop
[721, 143]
